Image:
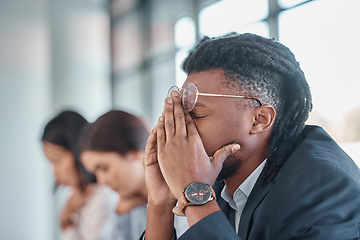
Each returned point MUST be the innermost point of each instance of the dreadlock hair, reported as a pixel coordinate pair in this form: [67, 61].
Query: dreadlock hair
[265, 69]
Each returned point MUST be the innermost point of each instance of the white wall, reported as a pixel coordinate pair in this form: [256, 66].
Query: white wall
[25, 182]
[44, 68]
[80, 56]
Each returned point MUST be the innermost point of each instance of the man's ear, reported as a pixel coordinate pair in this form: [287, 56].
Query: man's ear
[264, 117]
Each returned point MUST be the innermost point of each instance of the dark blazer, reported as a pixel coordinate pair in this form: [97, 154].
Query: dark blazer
[315, 195]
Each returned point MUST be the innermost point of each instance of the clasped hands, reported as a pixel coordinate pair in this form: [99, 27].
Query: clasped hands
[175, 156]
[75, 202]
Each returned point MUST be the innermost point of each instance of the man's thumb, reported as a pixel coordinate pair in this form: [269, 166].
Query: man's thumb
[221, 154]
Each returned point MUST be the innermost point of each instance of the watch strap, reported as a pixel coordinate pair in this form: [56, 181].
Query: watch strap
[180, 208]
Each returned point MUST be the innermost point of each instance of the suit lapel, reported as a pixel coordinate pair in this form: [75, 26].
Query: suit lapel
[259, 192]
[256, 196]
[224, 206]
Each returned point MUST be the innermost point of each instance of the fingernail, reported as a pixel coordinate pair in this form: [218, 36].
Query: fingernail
[169, 100]
[161, 119]
[235, 148]
[175, 93]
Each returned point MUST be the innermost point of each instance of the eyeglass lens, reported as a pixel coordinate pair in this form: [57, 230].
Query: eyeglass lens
[189, 96]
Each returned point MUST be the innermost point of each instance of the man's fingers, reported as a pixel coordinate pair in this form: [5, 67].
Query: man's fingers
[190, 125]
[179, 115]
[150, 147]
[151, 141]
[169, 117]
[221, 154]
[161, 136]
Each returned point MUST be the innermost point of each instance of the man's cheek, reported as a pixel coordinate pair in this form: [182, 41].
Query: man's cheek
[210, 147]
[210, 138]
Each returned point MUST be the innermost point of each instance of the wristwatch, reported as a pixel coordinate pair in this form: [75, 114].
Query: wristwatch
[197, 193]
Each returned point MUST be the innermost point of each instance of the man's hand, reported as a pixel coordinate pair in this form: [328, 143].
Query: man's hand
[158, 191]
[160, 219]
[181, 154]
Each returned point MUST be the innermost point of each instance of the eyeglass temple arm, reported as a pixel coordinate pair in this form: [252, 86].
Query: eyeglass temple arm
[231, 96]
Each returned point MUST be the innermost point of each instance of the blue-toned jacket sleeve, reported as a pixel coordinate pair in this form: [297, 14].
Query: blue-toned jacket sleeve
[142, 237]
[213, 227]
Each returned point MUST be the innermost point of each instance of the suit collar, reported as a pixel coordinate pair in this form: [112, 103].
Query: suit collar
[259, 191]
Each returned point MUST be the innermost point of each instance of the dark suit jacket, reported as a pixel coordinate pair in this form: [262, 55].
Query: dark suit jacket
[315, 195]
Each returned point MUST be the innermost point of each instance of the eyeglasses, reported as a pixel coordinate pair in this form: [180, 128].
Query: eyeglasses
[189, 95]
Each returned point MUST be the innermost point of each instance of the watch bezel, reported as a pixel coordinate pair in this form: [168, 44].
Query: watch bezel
[203, 186]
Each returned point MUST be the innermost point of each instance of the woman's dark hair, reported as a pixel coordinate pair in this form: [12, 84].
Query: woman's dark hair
[116, 131]
[65, 130]
[263, 68]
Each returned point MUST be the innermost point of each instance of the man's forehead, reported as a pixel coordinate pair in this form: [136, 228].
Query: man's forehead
[214, 86]
[208, 80]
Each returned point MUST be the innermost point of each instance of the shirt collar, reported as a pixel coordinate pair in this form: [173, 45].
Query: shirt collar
[246, 187]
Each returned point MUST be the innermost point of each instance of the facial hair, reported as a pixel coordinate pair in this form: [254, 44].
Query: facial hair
[230, 165]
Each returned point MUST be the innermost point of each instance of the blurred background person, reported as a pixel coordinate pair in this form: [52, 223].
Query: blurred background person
[87, 212]
[112, 149]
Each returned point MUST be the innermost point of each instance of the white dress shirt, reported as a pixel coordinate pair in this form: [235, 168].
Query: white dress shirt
[95, 220]
[238, 200]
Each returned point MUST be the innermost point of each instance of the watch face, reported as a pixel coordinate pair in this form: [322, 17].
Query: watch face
[198, 193]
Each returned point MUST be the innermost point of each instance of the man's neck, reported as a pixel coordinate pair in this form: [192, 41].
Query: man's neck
[241, 174]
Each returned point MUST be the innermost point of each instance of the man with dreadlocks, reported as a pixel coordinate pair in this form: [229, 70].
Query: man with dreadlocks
[240, 118]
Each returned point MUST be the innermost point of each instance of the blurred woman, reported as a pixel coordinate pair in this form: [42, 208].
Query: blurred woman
[112, 149]
[86, 214]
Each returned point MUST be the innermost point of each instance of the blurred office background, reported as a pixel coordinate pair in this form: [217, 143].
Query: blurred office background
[94, 55]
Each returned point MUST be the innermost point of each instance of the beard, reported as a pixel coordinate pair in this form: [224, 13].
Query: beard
[230, 166]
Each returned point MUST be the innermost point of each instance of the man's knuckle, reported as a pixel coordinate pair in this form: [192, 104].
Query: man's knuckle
[177, 102]
[168, 109]
[189, 122]
[161, 138]
[179, 116]
[170, 124]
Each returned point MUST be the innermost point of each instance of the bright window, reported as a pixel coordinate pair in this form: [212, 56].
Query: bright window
[233, 15]
[289, 3]
[185, 39]
[325, 37]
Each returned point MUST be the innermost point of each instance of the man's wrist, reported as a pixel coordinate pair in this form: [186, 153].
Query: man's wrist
[160, 221]
[163, 207]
